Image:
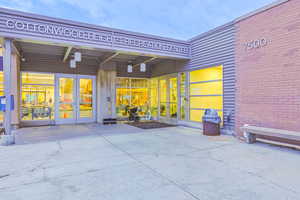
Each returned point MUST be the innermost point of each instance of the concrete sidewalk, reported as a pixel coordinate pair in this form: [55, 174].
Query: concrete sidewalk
[126, 163]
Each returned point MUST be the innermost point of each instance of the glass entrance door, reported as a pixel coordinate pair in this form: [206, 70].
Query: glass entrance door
[65, 99]
[168, 97]
[75, 99]
[86, 98]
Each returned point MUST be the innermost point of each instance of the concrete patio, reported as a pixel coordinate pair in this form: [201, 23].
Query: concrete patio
[123, 162]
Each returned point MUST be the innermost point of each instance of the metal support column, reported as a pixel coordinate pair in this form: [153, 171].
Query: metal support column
[8, 138]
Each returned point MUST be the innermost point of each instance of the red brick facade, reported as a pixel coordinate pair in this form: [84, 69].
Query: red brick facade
[268, 77]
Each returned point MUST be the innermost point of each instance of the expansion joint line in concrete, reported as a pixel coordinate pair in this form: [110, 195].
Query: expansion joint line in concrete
[150, 168]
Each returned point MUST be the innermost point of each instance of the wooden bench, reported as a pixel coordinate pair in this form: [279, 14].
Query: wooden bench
[250, 133]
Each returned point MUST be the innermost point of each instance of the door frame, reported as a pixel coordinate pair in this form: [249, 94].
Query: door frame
[168, 117]
[93, 118]
[56, 97]
[76, 96]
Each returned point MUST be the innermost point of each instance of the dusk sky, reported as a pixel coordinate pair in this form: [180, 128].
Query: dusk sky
[180, 19]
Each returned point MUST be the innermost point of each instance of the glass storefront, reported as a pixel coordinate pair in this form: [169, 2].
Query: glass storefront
[131, 93]
[72, 102]
[206, 91]
[193, 91]
[37, 96]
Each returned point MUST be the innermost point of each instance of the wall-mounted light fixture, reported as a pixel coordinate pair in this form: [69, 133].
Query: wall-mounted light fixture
[77, 56]
[72, 63]
[129, 68]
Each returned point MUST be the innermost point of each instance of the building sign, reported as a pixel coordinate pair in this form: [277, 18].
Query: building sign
[255, 44]
[105, 37]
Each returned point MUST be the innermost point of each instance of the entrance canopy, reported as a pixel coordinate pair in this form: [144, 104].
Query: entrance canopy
[39, 52]
[49, 57]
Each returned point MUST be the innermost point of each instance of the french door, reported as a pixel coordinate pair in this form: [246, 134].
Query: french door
[75, 99]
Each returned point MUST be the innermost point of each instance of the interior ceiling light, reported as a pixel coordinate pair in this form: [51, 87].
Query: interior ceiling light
[143, 67]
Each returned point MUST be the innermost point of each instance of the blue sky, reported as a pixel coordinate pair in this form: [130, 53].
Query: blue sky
[181, 19]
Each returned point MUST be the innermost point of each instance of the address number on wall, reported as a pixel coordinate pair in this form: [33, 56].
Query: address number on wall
[255, 44]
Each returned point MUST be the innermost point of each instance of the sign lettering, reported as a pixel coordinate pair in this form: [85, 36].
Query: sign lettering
[103, 36]
[255, 44]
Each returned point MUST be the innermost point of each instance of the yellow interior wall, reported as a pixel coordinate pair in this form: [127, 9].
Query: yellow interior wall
[211, 73]
[210, 89]
[205, 102]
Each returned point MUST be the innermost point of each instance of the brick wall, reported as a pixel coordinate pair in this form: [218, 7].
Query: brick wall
[268, 78]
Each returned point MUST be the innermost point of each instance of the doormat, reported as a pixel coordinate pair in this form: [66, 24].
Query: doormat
[150, 125]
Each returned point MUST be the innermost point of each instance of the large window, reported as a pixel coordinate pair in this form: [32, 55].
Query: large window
[132, 92]
[206, 91]
[37, 96]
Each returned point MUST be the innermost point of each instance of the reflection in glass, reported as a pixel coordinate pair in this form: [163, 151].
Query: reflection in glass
[163, 109]
[66, 98]
[183, 101]
[173, 97]
[163, 97]
[66, 111]
[66, 90]
[37, 96]
[86, 98]
[132, 93]
[123, 101]
[154, 97]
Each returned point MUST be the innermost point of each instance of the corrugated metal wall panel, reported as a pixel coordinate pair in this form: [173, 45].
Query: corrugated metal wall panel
[218, 48]
[215, 48]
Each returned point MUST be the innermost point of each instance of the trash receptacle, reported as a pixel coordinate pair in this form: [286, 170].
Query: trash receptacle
[211, 123]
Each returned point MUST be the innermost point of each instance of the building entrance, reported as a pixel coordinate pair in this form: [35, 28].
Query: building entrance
[57, 98]
[168, 92]
[75, 99]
